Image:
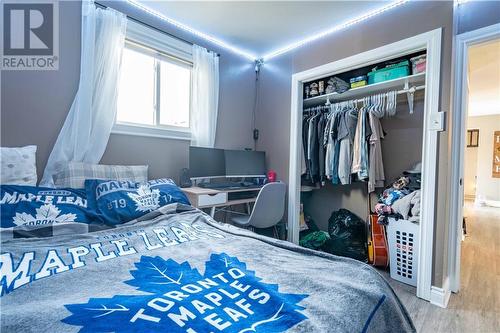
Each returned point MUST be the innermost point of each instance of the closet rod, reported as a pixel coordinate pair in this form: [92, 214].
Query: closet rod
[399, 92]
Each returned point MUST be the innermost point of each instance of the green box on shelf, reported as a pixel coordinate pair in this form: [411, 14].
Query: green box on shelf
[392, 72]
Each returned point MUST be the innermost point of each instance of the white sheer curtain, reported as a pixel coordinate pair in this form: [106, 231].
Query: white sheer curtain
[205, 97]
[86, 131]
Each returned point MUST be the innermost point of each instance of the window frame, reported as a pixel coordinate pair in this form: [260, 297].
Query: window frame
[162, 47]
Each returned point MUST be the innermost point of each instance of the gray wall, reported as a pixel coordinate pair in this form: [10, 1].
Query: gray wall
[34, 104]
[402, 22]
[473, 15]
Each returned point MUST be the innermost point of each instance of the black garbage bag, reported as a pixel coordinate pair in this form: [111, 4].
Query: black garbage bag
[347, 235]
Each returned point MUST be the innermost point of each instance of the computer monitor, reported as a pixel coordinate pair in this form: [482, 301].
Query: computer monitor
[206, 162]
[245, 163]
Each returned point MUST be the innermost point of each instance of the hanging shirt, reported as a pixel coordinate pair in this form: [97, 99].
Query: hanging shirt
[313, 148]
[346, 135]
[356, 154]
[321, 147]
[376, 175]
[339, 133]
[337, 120]
[305, 133]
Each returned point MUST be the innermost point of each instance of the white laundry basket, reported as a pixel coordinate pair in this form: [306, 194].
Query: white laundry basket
[403, 239]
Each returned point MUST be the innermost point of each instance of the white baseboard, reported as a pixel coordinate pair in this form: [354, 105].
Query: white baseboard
[441, 296]
[493, 203]
[487, 203]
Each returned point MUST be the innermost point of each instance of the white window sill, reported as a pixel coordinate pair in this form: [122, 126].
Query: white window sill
[150, 131]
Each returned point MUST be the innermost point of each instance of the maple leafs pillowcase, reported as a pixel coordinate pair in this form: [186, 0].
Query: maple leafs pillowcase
[115, 202]
[35, 207]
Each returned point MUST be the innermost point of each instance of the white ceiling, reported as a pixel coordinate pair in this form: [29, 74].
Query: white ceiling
[484, 79]
[260, 27]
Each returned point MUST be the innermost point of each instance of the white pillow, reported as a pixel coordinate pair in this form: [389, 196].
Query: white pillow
[18, 165]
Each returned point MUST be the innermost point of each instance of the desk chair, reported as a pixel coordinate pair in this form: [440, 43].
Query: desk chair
[268, 210]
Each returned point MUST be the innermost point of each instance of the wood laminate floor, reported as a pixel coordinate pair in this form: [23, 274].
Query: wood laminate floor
[476, 308]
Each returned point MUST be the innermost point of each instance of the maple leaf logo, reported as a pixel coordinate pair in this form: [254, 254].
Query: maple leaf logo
[178, 298]
[46, 214]
[146, 199]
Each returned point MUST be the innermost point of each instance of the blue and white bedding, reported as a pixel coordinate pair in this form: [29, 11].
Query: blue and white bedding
[35, 207]
[27, 211]
[177, 270]
[115, 202]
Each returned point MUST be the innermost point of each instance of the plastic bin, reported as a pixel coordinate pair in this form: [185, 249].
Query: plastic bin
[418, 64]
[403, 240]
[358, 81]
[389, 73]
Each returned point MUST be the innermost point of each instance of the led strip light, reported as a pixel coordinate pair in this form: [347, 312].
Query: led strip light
[322, 34]
[279, 51]
[195, 32]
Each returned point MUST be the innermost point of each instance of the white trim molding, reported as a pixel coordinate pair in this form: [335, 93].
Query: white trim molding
[458, 125]
[151, 131]
[154, 39]
[441, 296]
[430, 41]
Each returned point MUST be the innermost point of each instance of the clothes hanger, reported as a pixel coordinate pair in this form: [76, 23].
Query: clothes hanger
[410, 95]
[328, 101]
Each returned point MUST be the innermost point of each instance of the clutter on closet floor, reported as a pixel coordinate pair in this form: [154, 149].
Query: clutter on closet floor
[346, 235]
[343, 139]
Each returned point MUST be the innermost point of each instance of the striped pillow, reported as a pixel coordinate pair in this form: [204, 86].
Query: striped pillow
[75, 174]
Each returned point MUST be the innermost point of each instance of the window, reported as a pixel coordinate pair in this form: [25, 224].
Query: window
[154, 90]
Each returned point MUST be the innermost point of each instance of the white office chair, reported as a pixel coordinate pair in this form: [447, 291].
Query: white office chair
[268, 210]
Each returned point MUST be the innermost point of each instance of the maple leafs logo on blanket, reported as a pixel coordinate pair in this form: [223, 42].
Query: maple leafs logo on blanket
[178, 298]
[46, 214]
[146, 199]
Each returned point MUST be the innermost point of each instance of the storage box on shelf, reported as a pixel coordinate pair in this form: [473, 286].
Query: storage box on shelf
[391, 72]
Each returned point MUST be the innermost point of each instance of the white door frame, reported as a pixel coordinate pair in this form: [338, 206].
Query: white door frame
[431, 41]
[459, 119]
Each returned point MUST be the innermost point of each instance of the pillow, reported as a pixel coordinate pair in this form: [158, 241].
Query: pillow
[115, 202]
[18, 165]
[75, 173]
[29, 206]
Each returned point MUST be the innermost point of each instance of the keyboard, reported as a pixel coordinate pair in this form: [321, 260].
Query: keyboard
[229, 185]
[222, 185]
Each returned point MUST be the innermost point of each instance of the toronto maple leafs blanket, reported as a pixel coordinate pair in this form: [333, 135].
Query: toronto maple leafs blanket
[177, 270]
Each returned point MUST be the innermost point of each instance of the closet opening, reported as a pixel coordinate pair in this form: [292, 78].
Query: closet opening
[363, 134]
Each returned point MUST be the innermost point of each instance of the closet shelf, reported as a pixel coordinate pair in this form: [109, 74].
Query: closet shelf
[411, 80]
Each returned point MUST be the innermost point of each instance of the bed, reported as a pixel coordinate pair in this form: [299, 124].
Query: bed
[177, 270]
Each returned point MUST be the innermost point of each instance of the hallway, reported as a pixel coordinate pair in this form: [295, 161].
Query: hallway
[476, 308]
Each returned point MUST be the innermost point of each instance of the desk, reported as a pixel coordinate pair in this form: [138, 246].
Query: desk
[210, 198]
